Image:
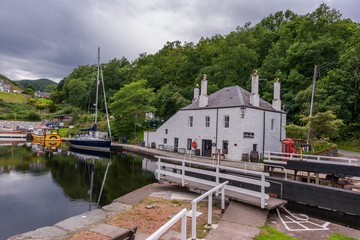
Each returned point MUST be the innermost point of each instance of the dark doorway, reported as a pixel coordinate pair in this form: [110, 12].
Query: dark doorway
[176, 144]
[206, 148]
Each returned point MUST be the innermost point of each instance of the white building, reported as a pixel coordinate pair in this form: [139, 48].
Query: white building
[233, 120]
[4, 87]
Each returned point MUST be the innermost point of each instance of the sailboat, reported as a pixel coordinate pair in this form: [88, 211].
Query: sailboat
[93, 140]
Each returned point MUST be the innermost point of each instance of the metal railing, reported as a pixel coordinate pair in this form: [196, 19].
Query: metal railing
[198, 199]
[181, 215]
[178, 168]
[280, 156]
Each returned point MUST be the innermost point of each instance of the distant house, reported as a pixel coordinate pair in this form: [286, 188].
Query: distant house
[65, 118]
[232, 120]
[4, 87]
[7, 88]
[40, 94]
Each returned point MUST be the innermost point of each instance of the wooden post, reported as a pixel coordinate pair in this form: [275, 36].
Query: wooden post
[317, 178]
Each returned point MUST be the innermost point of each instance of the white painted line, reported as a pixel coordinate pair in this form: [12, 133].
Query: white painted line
[300, 222]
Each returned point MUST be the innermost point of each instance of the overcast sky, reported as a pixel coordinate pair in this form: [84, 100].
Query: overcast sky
[48, 39]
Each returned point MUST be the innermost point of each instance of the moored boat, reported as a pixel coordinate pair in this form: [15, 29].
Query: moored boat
[92, 141]
[12, 135]
[43, 135]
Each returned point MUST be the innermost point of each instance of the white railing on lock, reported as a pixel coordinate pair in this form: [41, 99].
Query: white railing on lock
[181, 215]
[245, 176]
[198, 199]
[272, 157]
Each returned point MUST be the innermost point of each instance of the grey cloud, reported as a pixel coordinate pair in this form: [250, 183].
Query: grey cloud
[51, 38]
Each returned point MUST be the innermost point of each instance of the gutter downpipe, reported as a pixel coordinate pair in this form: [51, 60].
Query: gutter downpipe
[281, 126]
[263, 150]
[217, 126]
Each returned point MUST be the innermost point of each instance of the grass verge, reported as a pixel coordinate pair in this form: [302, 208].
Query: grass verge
[353, 145]
[270, 233]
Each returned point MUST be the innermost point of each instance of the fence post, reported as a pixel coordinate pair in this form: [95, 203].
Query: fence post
[193, 221]
[262, 191]
[210, 210]
[223, 200]
[183, 227]
[183, 174]
[159, 161]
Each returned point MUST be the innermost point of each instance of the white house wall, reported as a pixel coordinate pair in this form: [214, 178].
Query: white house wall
[252, 122]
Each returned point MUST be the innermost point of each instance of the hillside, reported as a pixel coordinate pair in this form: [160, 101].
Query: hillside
[13, 98]
[13, 85]
[39, 85]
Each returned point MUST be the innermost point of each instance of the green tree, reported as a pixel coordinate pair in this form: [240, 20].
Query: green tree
[128, 107]
[168, 101]
[322, 125]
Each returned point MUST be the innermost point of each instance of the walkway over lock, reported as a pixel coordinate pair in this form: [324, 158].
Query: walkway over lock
[314, 163]
[244, 185]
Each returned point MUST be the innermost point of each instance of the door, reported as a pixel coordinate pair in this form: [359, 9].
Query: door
[176, 144]
[206, 148]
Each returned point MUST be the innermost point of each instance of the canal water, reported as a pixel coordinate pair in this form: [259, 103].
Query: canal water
[42, 185]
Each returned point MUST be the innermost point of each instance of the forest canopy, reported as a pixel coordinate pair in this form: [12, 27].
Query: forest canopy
[282, 45]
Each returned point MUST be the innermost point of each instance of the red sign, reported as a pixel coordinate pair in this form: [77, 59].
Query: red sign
[194, 144]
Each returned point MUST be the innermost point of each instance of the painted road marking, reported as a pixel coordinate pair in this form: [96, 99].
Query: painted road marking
[302, 223]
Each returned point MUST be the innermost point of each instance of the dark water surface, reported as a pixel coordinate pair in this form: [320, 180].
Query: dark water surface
[39, 188]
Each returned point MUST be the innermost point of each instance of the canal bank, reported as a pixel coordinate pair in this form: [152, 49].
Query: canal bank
[152, 152]
[98, 224]
[240, 221]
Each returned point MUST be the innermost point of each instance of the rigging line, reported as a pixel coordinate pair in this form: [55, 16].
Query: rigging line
[324, 66]
[329, 65]
[324, 70]
[330, 61]
[328, 68]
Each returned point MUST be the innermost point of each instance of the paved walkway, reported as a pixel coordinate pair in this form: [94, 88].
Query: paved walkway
[155, 152]
[240, 221]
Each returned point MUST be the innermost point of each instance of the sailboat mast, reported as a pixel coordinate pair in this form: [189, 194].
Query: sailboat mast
[106, 108]
[97, 86]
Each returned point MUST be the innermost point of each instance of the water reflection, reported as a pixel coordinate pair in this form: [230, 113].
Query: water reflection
[40, 188]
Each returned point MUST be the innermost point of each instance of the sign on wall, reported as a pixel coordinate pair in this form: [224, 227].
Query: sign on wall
[249, 135]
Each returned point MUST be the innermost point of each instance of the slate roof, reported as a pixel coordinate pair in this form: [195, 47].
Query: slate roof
[234, 96]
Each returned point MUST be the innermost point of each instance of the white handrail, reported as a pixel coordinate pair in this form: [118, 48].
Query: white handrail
[198, 199]
[309, 158]
[181, 215]
[217, 174]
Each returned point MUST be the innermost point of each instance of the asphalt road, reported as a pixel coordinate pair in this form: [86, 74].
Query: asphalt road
[348, 154]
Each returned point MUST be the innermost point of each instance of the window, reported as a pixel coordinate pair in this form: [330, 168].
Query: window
[225, 146]
[207, 121]
[165, 140]
[188, 145]
[226, 121]
[272, 124]
[191, 121]
[166, 131]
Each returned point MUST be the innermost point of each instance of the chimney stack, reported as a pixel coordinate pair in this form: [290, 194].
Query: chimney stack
[276, 103]
[196, 93]
[255, 97]
[203, 101]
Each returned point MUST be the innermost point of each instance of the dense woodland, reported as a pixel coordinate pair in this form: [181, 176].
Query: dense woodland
[283, 45]
[42, 85]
